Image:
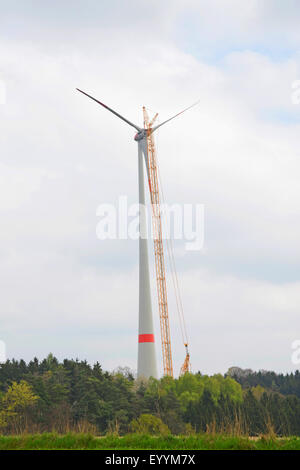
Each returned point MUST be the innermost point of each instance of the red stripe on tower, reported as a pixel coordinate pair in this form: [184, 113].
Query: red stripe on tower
[149, 338]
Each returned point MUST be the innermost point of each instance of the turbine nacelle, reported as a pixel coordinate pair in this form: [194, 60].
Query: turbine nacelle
[140, 135]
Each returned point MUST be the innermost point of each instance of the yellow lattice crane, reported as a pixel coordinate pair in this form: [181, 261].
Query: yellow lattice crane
[154, 185]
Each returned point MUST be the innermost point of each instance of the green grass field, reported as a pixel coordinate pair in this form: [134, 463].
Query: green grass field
[137, 441]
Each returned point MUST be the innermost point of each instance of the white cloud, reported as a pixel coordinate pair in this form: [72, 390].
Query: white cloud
[17, 185]
[212, 28]
[246, 322]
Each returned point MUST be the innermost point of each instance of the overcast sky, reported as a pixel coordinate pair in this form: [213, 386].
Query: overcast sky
[237, 152]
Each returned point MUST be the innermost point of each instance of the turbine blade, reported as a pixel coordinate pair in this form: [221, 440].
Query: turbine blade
[111, 110]
[159, 125]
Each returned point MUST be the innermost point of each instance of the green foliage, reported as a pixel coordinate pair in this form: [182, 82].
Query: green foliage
[288, 384]
[258, 391]
[149, 424]
[17, 399]
[73, 395]
[72, 441]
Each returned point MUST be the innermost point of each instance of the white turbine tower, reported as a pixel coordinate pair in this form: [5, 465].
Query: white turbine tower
[146, 347]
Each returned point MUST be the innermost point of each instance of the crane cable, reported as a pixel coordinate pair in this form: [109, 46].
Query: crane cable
[170, 251]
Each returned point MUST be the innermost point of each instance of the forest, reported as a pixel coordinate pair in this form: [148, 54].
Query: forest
[72, 395]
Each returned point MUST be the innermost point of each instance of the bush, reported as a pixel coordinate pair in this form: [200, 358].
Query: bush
[149, 424]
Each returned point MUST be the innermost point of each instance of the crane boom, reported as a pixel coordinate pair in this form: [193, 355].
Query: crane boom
[158, 248]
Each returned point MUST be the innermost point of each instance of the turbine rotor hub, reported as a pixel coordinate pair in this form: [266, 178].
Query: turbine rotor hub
[140, 135]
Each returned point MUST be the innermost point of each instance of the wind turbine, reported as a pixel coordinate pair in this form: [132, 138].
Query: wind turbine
[146, 346]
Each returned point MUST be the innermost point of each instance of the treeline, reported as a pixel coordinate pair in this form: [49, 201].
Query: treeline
[73, 395]
[285, 384]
